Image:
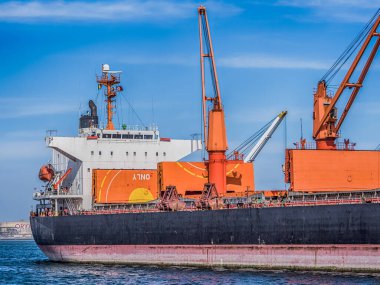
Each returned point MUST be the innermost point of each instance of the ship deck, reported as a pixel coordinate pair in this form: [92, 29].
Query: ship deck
[254, 201]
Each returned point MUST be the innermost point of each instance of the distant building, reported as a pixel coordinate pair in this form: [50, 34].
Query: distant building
[15, 230]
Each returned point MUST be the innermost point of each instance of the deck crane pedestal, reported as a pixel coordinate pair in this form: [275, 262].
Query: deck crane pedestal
[332, 166]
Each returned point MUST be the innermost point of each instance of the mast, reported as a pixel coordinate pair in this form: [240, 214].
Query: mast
[108, 79]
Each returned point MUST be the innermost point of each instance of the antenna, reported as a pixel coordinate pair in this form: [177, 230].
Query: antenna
[108, 79]
[50, 133]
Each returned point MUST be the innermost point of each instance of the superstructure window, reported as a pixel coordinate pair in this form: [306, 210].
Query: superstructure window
[164, 153]
[106, 136]
[111, 152]
[146, 154]
[92, 152]
[127, 136]
[100, 153]
[134, 153]
[139, 137]
[148, 137]
[156, 153]
[116, 136]
[126, 153]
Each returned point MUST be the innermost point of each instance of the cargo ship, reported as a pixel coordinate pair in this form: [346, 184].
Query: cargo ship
[114, 199]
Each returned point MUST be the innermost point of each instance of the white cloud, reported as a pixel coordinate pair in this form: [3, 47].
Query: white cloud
[332, 3]
[349, 11]
[130, 10]
[19, 107]
[266, 61]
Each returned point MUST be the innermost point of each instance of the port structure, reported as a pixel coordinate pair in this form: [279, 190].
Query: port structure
[326, 124]
[329, 165]
[214, 127]
[108, 79]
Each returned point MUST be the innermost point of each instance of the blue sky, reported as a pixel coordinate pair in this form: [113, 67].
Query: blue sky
[269, 55]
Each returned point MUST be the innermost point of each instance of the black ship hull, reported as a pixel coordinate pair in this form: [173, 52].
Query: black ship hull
[338, 236]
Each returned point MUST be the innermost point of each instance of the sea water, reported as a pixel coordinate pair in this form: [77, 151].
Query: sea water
[21, 262]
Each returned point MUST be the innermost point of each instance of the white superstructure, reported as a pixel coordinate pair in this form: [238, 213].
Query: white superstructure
[143, 149]
[74, 158]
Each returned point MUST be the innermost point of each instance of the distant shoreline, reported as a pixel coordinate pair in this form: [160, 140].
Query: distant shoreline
[17, 239]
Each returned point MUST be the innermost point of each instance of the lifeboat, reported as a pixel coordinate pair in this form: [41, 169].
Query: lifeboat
[46, 173]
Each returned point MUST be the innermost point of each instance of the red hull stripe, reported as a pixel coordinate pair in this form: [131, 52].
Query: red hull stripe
[358, 257]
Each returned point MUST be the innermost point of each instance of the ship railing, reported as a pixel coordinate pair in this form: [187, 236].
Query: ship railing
[267, 204]
[296, 196]
[313, 145]
[138, 128]
[263, 204]
[293, 200]
[53, 193]
[306, 199]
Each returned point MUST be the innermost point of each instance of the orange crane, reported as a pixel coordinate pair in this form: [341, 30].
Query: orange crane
[326, 124]
[215, 137]
[224, 177]
[330, 168]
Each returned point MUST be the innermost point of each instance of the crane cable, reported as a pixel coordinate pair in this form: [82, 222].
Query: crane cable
[342, 59]
[348, 52]
[133, 110]
[248, 144]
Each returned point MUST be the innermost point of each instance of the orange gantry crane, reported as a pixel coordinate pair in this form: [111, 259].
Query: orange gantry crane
[331, 167]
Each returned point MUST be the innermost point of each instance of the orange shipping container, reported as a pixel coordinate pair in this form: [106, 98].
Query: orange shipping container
[124, 185]
[332, 170]
[189, 177]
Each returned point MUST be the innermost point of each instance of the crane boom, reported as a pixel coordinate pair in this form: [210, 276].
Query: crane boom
[55, 186]
[265, 137]
[325, 120]
[207, 51]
